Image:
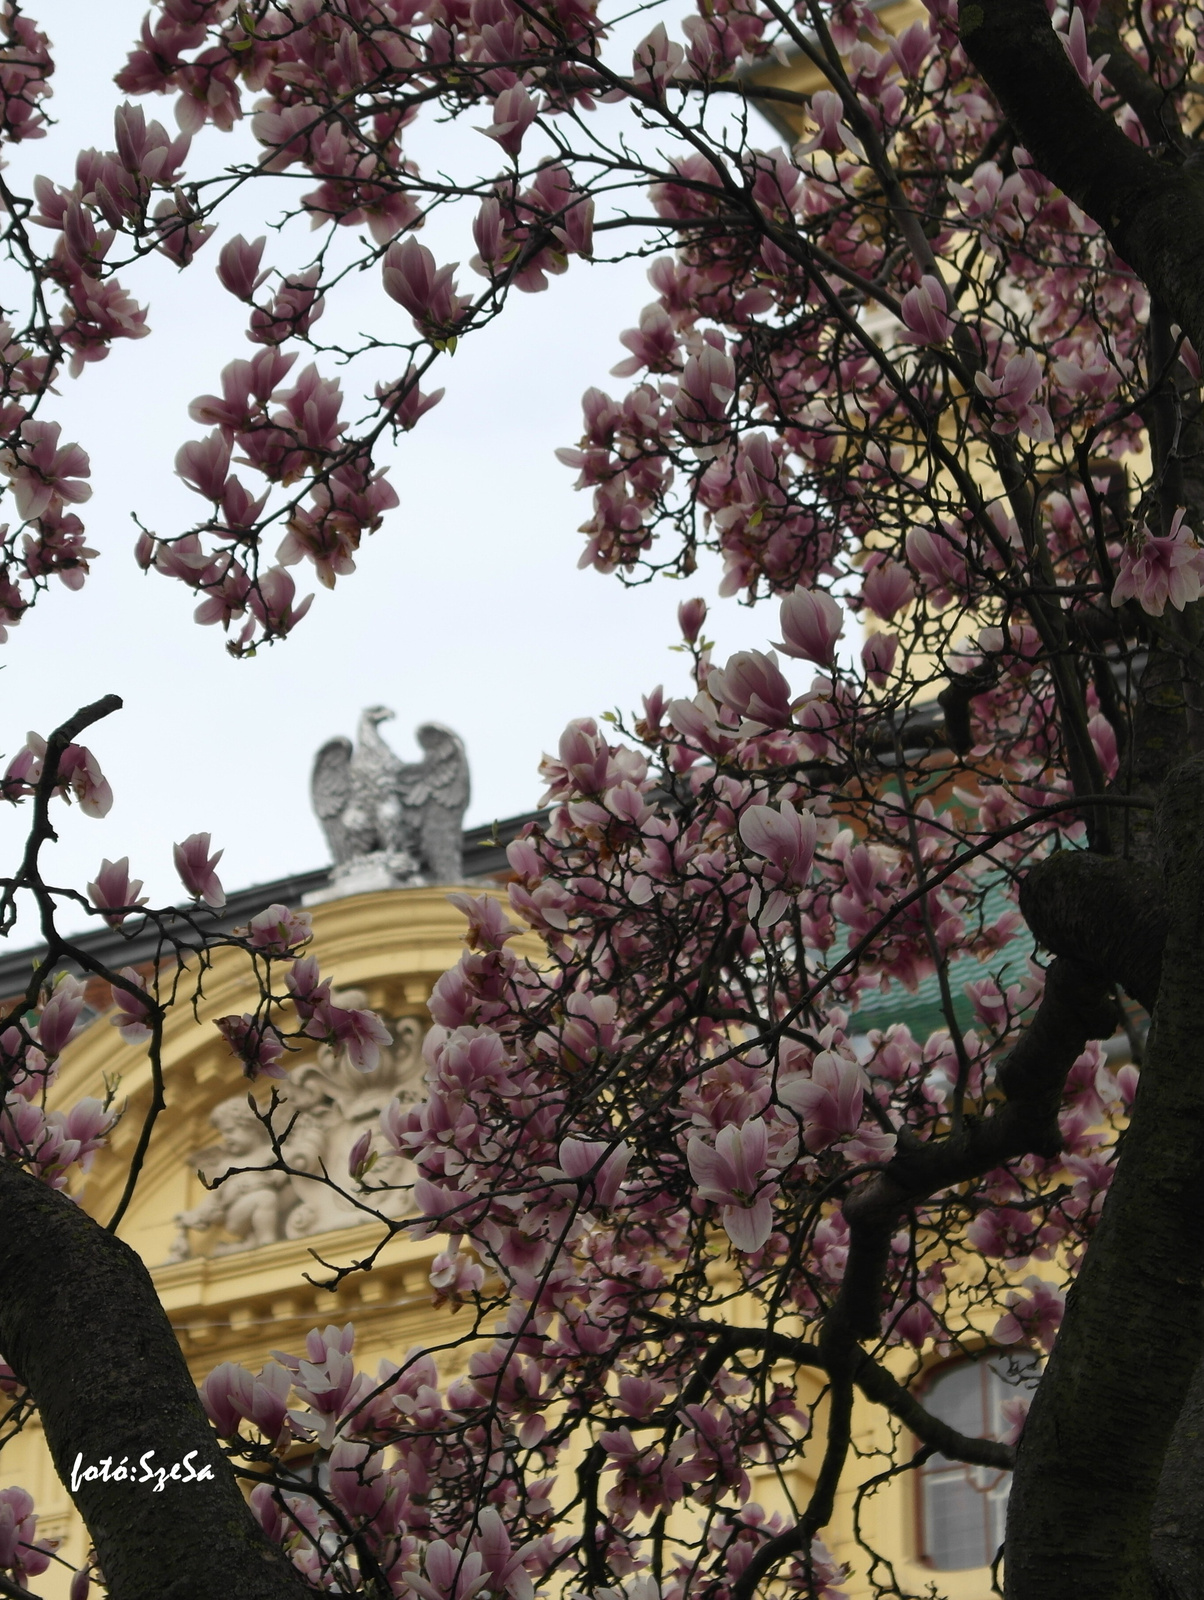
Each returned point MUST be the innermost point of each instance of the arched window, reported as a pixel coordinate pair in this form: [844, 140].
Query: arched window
[961, 1507]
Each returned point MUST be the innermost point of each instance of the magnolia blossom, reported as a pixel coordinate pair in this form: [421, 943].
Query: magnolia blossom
[19, 1552]
[513, 113]
[277, 930]
[600, 1169]
[79, 771]
[785, 838]
[1034, 1314]
[60, 1015]
[878, 657]
[1013, 397]
[196, 868]
[829, 1101]
[925, 312]
[42, 474]
[887, 589]
[131, 1014]
[735, 1174]
[361, 1157]
[811, 622]
[114, 892]
[1103, 737]
[361, 1034]
[1155, 570]
[752, 685]
[256, 1043]
[231, 1395]
[691, 614]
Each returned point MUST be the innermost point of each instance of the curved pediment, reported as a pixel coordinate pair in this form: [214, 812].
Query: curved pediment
[391, 947]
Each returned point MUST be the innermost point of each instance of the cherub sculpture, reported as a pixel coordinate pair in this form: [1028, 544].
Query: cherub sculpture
[248, 1205]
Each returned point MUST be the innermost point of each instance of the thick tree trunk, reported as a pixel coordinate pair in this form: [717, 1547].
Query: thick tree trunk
[1091, 1459]
[82, 1327]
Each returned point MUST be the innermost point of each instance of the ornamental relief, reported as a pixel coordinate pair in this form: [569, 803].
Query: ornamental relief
[326, 1104]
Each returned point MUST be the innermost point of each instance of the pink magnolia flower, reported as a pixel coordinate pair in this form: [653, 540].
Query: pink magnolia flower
[1089, 69]
[785, 839]
[114, 890]
[80, 772]
[427, 292]
[1155, 569]
[231, 1395]
[1014, 1414]
[238, 266]
[827, 110]
[735, 1174]
[277, 930]
[42, 474]
[1103, 737]
[878, 657]
[1013, 396]
[604, 1168]
[656, 59]
[257, 1044]
[829, 1101]
[360, 1158]
[513, 113]
[131, 1016]
[1033, 1317]
[752, 685]
[87, 1125]
[18, 1523]
[59, 1015]
[360, 1033]
[456, 1276]
[450, 1574]
[23, 771]
[691, 614]
[926, 312]
[1002, 1232]
[204, 465]
[812, 621]
[196, 868]
[707, 388]
[939, 562]
[887, 589]
[271, 599]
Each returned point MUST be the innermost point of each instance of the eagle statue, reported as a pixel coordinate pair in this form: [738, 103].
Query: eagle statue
[402, 819]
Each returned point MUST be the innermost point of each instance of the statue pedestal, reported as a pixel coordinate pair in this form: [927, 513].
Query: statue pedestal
[381, 869]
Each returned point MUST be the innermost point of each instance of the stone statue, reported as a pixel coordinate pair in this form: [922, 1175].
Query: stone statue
[249, 1205]
[326, 1104]
[391, 823]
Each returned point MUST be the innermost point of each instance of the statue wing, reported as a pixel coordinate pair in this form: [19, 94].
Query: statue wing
[330, 790]
[445, 792]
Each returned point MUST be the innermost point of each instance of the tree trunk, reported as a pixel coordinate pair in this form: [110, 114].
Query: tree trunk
[1090, 1462]
[83, 1329]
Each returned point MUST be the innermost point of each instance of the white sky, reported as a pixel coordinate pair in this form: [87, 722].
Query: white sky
[467, 607]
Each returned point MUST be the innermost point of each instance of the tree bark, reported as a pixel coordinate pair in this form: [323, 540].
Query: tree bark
[82, 1327]
[1091, 1459]
[1177, 1534]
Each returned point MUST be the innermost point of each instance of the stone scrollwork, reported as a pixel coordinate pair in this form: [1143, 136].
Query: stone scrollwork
[325, 1105]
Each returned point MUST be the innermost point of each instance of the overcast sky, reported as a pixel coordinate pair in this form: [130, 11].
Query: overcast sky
[467, 607]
